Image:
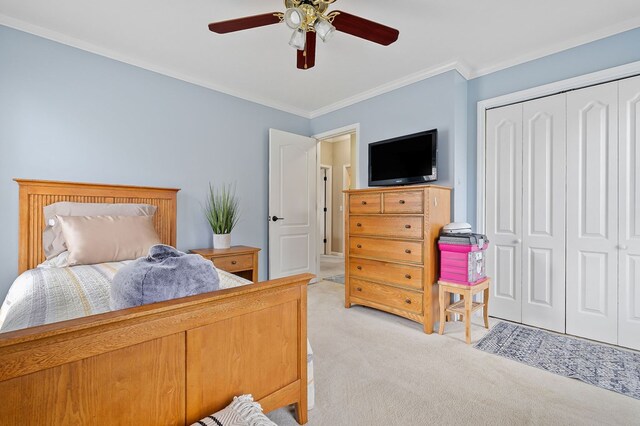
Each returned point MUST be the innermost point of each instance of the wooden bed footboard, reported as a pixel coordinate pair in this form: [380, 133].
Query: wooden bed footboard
[169, 363]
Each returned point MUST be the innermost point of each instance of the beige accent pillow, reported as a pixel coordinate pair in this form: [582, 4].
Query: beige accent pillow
[100, 239]
[52, 239]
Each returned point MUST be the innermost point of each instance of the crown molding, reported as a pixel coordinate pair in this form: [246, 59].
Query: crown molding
[389, 87]
[459, 65]
[558, 47]
[111, 54]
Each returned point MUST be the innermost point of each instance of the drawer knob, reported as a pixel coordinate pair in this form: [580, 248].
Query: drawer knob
[364, 203]
[407, 301]
[359, 268]
[359, 225]
[359, 246]
[233, 262]
[408, 276]
[401, 201]
[359, 288]
[408, 226]
[408, 251]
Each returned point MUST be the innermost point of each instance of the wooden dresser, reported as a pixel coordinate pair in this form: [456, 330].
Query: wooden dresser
[392, 257]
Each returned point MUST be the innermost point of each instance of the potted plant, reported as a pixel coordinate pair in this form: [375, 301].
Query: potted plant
[223, 213]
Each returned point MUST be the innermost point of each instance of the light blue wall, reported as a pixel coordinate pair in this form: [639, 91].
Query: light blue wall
[70, 115]
[606, 53]
[66, 114]
[424, 105]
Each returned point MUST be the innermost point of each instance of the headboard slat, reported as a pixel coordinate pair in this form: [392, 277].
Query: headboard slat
[36, 194]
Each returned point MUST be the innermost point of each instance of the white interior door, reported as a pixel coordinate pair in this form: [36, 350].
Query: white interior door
[504, 210]
[293, 248]
[629, 174]
[543, 212]
[592, 212]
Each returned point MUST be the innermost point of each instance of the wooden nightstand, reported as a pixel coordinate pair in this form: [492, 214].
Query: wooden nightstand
[239, 260]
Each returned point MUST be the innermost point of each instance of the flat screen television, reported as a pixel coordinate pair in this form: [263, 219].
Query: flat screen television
[405, 160]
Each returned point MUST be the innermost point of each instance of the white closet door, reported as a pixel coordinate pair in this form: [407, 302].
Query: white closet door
[504, 210]
[629, 169]
[543, 212]
[592, 212]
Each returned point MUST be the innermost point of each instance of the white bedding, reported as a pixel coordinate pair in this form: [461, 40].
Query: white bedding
[46, 295]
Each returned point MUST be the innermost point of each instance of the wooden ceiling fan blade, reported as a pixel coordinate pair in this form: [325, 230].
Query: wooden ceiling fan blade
[246, 23]
[364, 28]
[307, 57]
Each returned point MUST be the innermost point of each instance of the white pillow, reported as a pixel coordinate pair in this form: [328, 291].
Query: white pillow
[241, 412]
[59, 261]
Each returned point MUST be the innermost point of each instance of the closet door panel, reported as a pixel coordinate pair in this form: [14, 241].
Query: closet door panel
[504, 210]
[629, 214]
[543, 230]
[592, 212]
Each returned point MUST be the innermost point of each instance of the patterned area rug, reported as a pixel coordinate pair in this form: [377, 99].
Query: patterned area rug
[336, 279]
[600, 365]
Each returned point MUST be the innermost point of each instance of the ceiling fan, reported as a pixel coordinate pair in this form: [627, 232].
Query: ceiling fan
[308, 18]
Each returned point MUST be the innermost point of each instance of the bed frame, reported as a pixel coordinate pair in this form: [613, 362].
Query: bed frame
[167, 363]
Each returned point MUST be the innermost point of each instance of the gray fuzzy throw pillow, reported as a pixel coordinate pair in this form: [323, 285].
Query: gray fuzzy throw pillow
[164, 274]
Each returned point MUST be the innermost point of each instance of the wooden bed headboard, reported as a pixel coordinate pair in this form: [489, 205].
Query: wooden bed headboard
[36, 194]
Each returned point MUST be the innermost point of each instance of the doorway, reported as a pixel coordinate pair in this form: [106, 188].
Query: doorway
[336, 153]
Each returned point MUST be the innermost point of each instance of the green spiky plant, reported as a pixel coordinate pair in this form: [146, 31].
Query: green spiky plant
[222, 209]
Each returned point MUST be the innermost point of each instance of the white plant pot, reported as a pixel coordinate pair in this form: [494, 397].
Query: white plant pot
[221, 241]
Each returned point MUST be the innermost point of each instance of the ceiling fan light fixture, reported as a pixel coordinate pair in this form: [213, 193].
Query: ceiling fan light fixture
[324, 29]
[298, 39]
[294, 18]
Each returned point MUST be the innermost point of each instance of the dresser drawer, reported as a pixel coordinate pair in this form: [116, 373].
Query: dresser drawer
[403, 275]
[234, 263]
[404, 202]
[404, 251]
[365, 203]
[386, 295]
[387, 226]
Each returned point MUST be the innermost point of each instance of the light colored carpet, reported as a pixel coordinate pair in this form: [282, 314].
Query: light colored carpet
[331, 266]
[373, 368]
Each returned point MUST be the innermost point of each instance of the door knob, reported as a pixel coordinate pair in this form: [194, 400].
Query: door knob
[276, 218]
[517, 241]
[623, 247]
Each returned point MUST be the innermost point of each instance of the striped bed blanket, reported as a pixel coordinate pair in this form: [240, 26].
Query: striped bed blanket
[45, 295]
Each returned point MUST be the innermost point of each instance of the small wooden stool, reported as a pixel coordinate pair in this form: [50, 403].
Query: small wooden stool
[465, 307]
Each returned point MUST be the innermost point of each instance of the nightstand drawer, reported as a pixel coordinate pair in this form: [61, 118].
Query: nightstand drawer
[402, 275]
[392, 250]
[365, 203]
[404, 202]
[234, 263]
[387, 226]
[386, 295]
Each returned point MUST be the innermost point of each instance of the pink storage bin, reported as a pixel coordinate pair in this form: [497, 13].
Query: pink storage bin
[462, 263]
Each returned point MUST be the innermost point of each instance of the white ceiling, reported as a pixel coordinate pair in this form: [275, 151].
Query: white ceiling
[171, 37]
